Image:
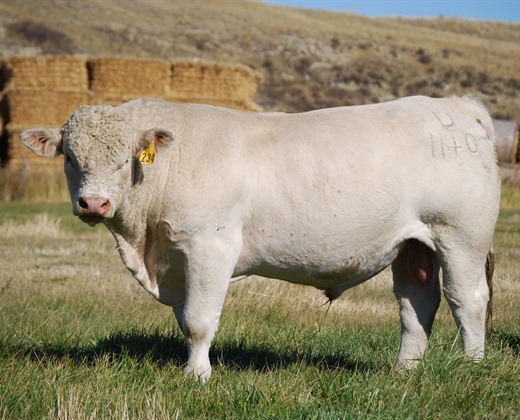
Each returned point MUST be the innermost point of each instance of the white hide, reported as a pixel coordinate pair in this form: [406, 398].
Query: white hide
[327, 198]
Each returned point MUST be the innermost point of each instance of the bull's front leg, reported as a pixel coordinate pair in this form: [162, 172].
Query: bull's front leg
[209, 267]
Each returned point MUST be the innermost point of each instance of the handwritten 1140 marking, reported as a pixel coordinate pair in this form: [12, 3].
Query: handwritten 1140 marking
[447, 145]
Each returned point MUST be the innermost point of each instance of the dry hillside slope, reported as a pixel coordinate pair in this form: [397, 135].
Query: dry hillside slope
[308, 59]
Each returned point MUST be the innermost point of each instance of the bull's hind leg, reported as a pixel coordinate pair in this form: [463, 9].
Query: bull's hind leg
[467, 292]
[416, 287]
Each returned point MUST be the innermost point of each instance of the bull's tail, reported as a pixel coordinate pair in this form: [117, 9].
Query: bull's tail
[490, 267]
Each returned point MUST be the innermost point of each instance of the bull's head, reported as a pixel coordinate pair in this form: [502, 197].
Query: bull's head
[101, 152]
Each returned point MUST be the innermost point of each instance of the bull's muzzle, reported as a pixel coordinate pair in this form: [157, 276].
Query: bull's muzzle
[93, 209]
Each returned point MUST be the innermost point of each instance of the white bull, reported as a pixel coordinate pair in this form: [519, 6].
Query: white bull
[327, 198]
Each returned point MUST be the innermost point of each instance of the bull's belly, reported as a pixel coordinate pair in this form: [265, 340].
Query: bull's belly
[321, 270]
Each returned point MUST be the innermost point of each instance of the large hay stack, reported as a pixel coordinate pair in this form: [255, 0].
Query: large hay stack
[114, 80]
[507, 133]
[44, 91]
[213, 83]
[507, 136]
[40, 91]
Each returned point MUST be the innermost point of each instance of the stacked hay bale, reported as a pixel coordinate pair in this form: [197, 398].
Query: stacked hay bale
[115, 80]
[44, 91]
[507, 134]
[215, 84]
[41, 91]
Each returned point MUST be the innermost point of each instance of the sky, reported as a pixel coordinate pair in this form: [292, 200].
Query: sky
[501, 10]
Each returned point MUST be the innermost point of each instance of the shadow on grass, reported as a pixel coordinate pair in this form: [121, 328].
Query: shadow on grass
[162, 350]
[243, 357]
[508, 339]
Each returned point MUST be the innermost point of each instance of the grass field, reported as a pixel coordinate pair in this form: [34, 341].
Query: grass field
[80, 339]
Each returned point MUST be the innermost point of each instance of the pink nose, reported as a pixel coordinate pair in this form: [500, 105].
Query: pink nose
[93, 206]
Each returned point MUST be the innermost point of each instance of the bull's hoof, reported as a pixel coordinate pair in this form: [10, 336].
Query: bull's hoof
[405, 365]
[198, 373]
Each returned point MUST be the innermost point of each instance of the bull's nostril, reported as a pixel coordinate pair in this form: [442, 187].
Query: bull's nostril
[93, 206]
[82, 203]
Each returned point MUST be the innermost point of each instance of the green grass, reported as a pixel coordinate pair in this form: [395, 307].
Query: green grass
[80, 339]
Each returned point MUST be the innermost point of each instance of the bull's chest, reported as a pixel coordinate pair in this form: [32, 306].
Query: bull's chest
[153, 262]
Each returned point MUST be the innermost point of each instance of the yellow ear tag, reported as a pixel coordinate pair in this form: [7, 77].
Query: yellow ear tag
[148, 155]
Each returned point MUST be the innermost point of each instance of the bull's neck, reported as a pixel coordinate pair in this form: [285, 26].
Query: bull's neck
[140, 208]
[129, 223]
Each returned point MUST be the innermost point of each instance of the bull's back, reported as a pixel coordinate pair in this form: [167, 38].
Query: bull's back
[353, 157]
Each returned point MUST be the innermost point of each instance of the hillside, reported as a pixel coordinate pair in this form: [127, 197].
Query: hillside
[308, 59]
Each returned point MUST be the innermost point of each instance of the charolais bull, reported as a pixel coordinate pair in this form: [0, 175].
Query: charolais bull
[197, 196]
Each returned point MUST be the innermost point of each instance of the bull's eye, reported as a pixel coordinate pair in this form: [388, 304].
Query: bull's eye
[125, 163]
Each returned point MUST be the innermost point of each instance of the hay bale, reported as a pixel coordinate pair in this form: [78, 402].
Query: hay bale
[112, 77]
[241, 105]
[506, 134]
[33, 107]
[111, 100]
[510, 172]
[48, 72]
[44, 91]
[212, 81]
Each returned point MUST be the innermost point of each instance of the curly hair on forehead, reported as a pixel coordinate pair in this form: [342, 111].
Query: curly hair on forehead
[98, 136]
[103, 122]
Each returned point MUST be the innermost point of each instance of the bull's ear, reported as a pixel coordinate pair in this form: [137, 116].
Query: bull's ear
[160, 137]
[44, 142]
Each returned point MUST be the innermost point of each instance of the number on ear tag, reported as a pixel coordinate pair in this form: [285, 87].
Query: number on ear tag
[148, 155]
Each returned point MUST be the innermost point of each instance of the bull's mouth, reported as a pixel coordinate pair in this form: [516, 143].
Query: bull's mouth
[92, 220]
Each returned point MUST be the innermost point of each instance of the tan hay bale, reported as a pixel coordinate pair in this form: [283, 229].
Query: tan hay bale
[506, 134]
[227, 103]
[49, 72]
[510, 171]
[114, 77]
[203, 80]
[241, 105]
[110, 100]
[31, 107]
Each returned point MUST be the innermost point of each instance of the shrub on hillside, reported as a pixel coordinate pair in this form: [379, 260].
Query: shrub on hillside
[51, 41]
